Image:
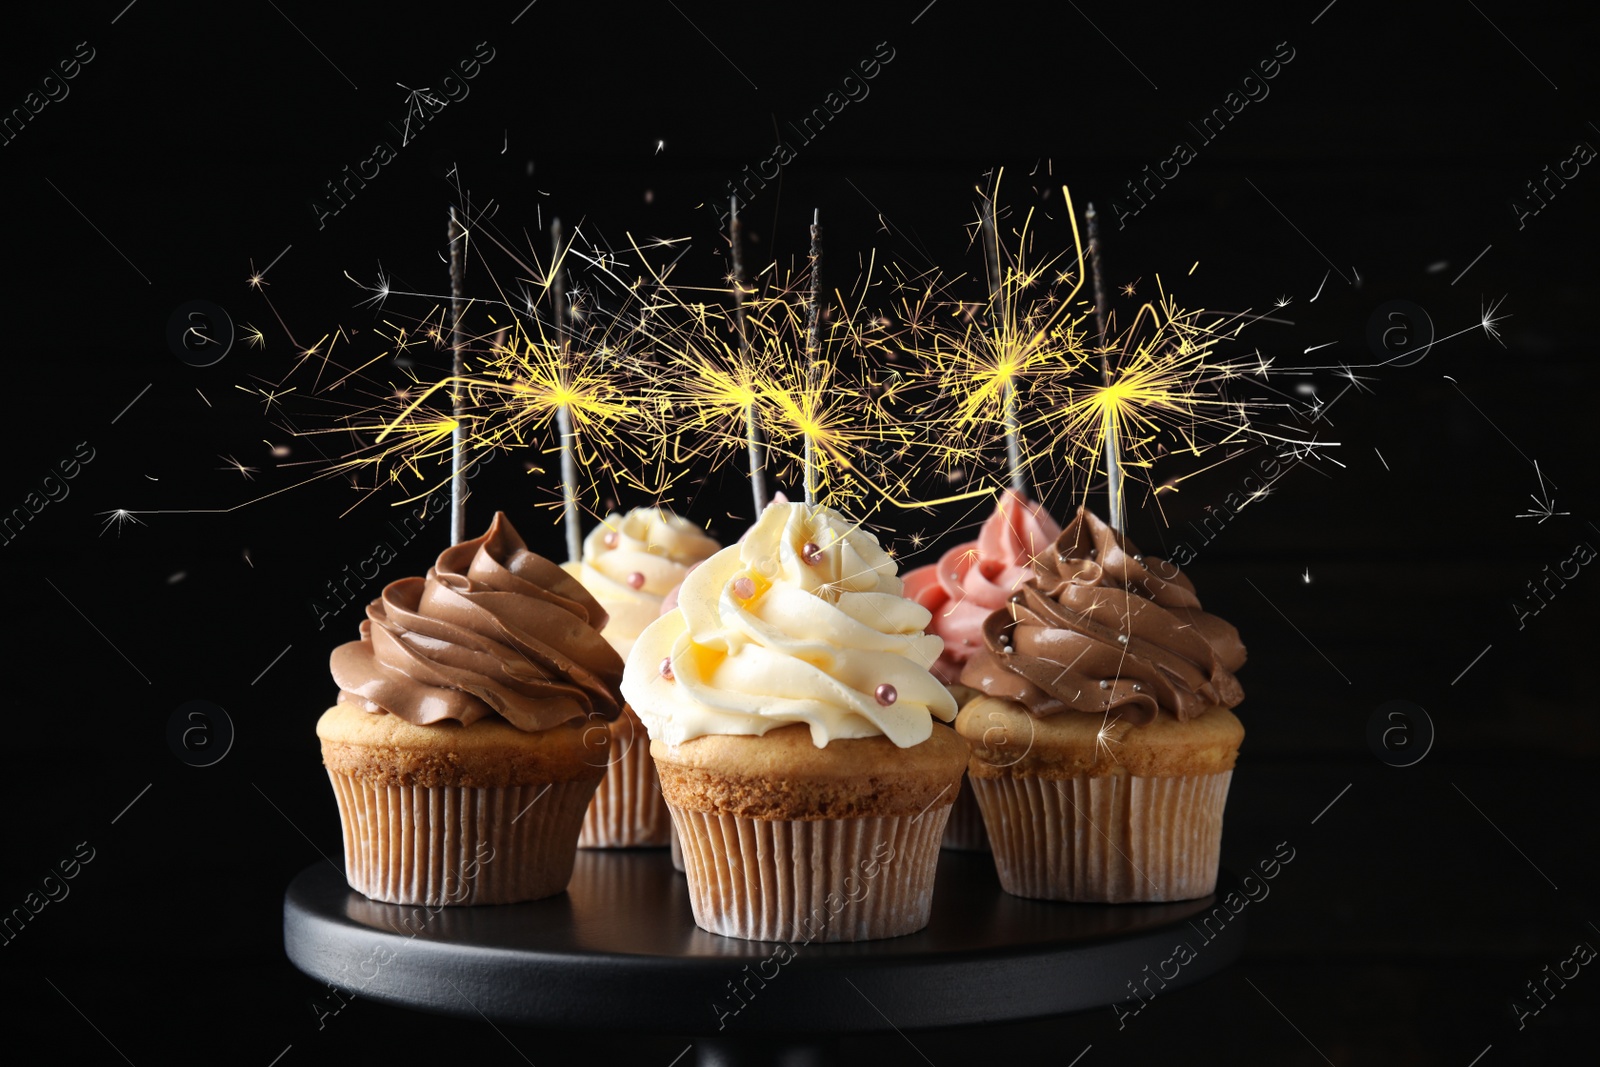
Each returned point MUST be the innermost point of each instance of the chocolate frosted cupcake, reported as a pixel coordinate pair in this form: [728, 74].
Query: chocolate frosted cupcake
[462, 750]
[1103, 744]
[631, 563]
[791, 717]
[969, 582]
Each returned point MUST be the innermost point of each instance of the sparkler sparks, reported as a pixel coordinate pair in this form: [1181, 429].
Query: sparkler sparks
[643, 379]
[829, 398]
[231, 464]
[118, 517]
[1489, 322]
[520, 378]
[982, 361]
[1543, 503]
[1164, 395]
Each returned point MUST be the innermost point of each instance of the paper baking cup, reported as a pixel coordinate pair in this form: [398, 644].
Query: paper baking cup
[1112, 839]
[677, 850]
[628, 811]
[802, 880]
[459, 845]
[965, 831]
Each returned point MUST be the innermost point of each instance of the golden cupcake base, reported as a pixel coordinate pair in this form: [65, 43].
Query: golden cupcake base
[805, 880]
[446, 845]
[782, 840]
[1095, 810]
[448, 814]
[1113, 840]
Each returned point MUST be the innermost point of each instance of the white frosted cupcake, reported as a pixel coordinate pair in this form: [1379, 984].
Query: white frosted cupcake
[630, 564]
[791, 720]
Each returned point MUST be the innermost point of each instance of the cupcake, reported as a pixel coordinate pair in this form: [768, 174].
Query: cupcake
[631, 563]
[461, 750]
[670, 604]
[791, 718]
[1103, 740]
[961, 590]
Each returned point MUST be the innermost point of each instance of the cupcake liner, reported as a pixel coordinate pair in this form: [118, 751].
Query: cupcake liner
[457, 844]
[804, 880]
[677, 849]
[965, 831]
[627, 811]
[1111, 839]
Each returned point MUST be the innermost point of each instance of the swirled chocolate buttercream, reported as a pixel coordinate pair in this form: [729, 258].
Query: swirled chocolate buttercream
[1101, 629]
[492, 629]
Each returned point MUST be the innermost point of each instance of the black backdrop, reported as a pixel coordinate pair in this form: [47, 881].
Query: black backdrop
[1387, 160]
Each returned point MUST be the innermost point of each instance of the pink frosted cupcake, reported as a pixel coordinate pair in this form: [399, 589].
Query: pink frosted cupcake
[968, 583]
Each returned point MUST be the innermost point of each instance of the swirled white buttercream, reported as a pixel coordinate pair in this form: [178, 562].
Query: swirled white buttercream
[631, 562]
[763, 638]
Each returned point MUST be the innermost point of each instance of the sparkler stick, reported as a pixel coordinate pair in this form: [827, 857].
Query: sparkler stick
[1008, 395]
[813, 344]
[752, 428]
[458, 474]
[569, 460]
[1113, 464]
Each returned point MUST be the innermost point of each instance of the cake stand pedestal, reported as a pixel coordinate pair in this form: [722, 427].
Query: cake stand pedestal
[619, 951]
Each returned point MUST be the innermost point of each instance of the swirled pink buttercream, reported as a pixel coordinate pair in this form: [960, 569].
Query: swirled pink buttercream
[973, 579]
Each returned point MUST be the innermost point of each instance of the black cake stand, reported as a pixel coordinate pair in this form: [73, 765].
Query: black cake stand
[619, 951]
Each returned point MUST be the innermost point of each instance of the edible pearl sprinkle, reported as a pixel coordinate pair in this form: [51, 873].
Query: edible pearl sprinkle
[744, 588]
[610, 539]
[636, 579]
[1137, 688]
[811, 552]
[1104, 684]
[886, 694]
[666, 669]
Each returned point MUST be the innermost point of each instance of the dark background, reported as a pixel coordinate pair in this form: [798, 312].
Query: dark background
[187, 155]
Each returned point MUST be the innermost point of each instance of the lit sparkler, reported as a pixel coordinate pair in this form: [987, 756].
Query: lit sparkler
[1161, 392]
[1029, 332]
